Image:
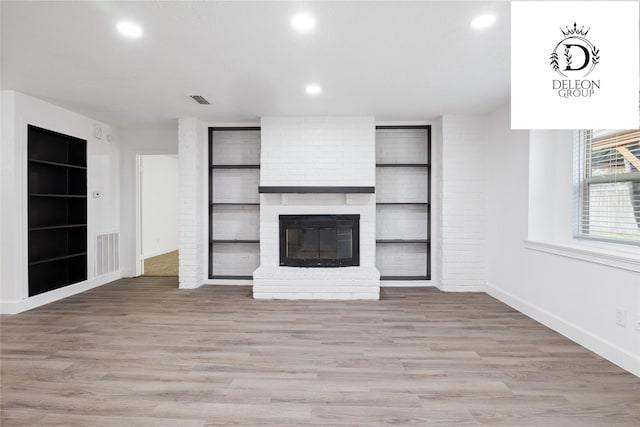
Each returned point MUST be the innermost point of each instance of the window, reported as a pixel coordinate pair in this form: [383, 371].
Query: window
[608, 185]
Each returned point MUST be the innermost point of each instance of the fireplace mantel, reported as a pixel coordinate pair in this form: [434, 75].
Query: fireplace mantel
[316, 190]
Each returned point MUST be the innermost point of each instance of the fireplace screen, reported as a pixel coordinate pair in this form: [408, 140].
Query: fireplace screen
[319, 240]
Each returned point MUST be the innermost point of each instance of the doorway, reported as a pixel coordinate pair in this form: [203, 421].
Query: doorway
[158, 214]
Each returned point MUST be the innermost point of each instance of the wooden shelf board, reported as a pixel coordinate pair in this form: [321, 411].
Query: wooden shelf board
[402, 241]
[234, 204]
[78, 196]
[65, 165]
[233, 241]
[403, 165]
[403, 203]
[316, 190]
[53, 227]
[57, 258]
[235, 166]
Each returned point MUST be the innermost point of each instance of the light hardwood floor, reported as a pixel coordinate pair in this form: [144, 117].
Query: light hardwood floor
[140, 352]
[162, 265]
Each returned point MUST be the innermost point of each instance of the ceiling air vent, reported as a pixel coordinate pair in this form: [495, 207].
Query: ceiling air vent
[200, 99]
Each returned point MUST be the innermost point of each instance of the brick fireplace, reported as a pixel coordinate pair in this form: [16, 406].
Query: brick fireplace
[322, 166]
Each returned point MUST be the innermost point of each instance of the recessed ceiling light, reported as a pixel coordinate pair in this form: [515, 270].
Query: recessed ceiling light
[129, 29]
[313, 89]
[483, 21]
[303, 22]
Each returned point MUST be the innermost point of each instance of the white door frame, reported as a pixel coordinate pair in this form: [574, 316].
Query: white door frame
[139, 263]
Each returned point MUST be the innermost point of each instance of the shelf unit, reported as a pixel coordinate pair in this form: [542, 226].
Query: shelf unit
[234, 204]
[403, 187]
[57, 210]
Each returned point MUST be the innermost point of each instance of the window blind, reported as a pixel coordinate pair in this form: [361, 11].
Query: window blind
[608, 185]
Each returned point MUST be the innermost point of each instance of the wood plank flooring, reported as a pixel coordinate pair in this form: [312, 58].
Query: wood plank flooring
[140, 352]
[162, 265]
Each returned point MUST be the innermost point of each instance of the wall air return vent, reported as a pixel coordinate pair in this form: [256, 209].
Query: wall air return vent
[107, 253]
[200, 99]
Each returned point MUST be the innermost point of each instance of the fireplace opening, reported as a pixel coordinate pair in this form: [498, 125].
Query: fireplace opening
[319, 240]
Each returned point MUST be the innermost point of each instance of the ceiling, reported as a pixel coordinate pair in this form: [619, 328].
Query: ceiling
[394, 60]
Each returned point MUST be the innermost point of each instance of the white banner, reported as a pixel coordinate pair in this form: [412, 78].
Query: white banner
[574, 65]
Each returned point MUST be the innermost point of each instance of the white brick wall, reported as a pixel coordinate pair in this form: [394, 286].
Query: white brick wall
[458, 194]
[270, 281]
[317, 152]
[192, 155]
[463, 204]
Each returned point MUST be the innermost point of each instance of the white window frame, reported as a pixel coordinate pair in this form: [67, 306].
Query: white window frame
[582, 180]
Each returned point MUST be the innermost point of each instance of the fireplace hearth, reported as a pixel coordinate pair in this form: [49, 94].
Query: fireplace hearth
[319, 240]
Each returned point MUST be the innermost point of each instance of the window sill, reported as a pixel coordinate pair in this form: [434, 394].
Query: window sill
[606, 254]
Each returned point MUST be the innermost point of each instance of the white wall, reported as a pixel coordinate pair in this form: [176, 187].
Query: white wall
[159, 204]
[193, 232]
[529, 185]
[551, 204]
[463, 203]
[103, 172]
[317, 151]
[161, 140]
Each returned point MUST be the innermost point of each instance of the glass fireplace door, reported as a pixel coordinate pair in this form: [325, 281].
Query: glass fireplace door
[319, 240]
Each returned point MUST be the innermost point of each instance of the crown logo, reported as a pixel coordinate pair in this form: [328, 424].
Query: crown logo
[574, 31]
[578, 52]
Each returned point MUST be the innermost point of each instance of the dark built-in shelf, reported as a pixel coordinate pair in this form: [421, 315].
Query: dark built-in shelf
[57, 210]
[402, 241]
[233, 128]
[404, 127]
[405, 278]
[403, 165]
[235, 166]
[57, 258]
[426, 205]
[317, 190]
[234, 204]
[234, 169]
[65, 165]
[403, 203]
[80, 196]
[53, 227]
[233, 241]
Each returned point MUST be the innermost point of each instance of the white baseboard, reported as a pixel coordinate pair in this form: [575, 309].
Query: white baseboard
[621, 357]
[228, 282]
[462, 288]
[15, 307]
[407, 284]
[189, 284]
